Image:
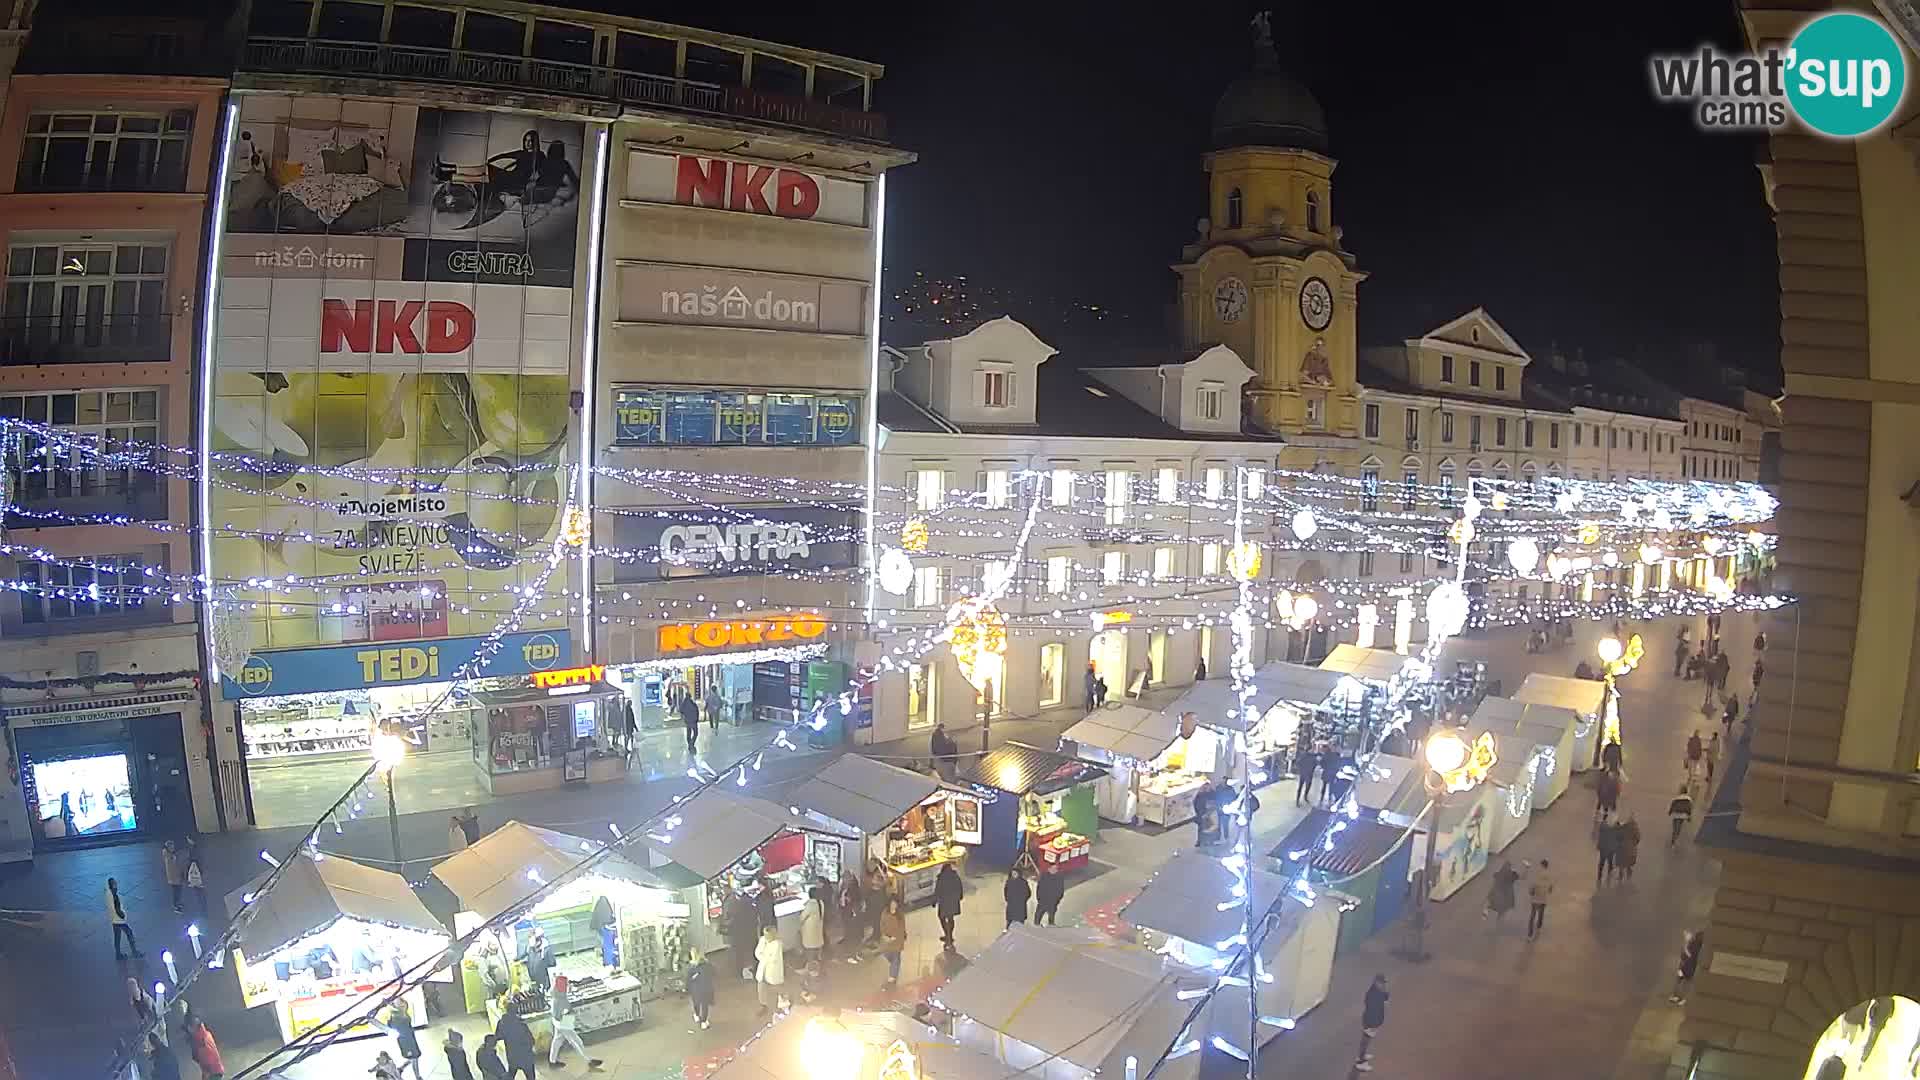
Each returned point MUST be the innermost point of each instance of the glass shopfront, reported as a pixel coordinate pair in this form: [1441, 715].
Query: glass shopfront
[91, 775]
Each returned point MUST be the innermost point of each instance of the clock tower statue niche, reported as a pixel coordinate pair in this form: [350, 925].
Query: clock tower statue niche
[1267, 276]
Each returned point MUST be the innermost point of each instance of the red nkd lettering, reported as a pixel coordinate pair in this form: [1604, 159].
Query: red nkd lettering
[749, 190]
[390, 326]
[700, 182]
[796, 195]
[743, 187]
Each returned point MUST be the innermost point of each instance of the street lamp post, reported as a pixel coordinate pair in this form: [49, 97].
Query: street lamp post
[1445, 752]
[389, 750]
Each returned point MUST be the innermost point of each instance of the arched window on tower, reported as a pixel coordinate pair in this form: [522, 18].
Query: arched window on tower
[1235, 206]
[1313, 211]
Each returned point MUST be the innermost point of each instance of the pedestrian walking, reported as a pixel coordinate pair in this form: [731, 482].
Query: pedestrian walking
[1629, 847]
[1612, 758]
[1681, 650]
[1093, 694]
[1205, 813]
[700, 987]
[1759, 669]
[162, 1065]
[945, 753]
[1306, 765]
[1729, 715]
[196, 882]
[487, 1058]
[456, 835]
[715, 706]
[690, 717]
[1100, 692]
[1047, 894]
[1200, 670]
[853, 917]
[458, 1067]
[770, 971]
[117, 915]
[539, 959]
[1373, 1017]
[1713, 756]
[893, 938]
[176, 870]
[203, 1048]
[743, 931]
[628, 725]
[1695, 747]
[146, 1009]
[1722, 665]
[1539, 890]
[1017, 893]
[947, 893]
[1689, 962]
[399, 1024]
[566, 1025]
[1713, 630]
[1500, 895]
[1679, 811]
[1606, 794]
[1607, 839]
[516, 1039]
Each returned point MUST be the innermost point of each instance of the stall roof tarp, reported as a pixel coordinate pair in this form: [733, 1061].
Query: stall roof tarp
[1525, 714]
[1375, 665]
[490, 876]
[1072, 993]
[866, 794]
[1127, 731]
[718, 828]
[1391, 784]
[1019, 769]
[1183, 899]
[1212, 700]
[1355, 848]
[781, 1053]
[1583, 696]
[313, 893]
[1298, 683]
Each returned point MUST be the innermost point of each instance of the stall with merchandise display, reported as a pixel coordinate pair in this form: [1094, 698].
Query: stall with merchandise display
[1585, 698]
[1036, 803]
[1157, 762]
[1458, 825]
[1368, 863]
[329, 935]
[541, 736]
[617, 932]
[913, 825]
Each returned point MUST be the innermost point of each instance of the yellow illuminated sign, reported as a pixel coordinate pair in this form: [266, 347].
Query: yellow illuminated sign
[591, 673]
[403, 663]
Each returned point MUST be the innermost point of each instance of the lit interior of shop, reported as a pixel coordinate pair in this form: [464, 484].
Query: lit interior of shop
[84, 796]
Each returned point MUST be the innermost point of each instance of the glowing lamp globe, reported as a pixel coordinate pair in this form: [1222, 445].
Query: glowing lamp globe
[388, 750]
[1610, 558]
[1662, 519]
[1611, 649]
[1523, 554]
[1499, 500]
[896, 571]
[1446, 609]
[1305, 608]
[1650, 553]
[1713, 544]
[1303, 524]
[1446, 752]
[1470, 507]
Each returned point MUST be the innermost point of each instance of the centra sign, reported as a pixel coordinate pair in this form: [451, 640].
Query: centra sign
[773, 630]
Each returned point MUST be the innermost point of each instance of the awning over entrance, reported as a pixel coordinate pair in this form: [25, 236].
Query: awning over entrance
[716, 828]
[509, 863]
[866, 794]
[1276, 683]
[314, 893]
[1019, 769]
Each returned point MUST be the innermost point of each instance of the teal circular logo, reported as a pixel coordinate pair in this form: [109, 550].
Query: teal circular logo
[1846, 74]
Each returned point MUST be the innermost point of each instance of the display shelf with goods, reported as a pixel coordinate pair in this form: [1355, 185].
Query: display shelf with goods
[532, 737]
[328, 936]
[913, 825]
[1035, 802]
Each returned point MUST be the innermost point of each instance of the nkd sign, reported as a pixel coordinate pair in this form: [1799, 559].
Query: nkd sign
[744, 187]
[701, 297]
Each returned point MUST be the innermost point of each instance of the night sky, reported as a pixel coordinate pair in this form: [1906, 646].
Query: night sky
[1488, 155]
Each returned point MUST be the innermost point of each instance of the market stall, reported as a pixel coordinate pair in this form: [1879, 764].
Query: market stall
[542, 736]
[1514, 781]
[1180, 907]
[1586, 698]
[1544, 734]
[812, 1043]
[913, 825]
[327, 936]
[1033, 801]
[724, 846]
[1286, 703]
[1457, 824]
[1367, 861]
[617, 932]
[1156, 762]
[1378, 666]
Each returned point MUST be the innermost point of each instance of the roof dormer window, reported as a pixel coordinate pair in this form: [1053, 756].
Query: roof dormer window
[1207, 400]
[996, 385]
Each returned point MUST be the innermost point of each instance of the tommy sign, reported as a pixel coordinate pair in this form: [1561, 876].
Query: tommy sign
[702, 297]
[744, 187]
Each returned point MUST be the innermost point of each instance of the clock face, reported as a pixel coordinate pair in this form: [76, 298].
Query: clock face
[1230, 299]
[1316, 304]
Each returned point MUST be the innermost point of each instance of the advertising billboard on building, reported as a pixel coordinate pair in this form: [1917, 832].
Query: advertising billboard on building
[393, 364]
[708, 296]
[746, 187]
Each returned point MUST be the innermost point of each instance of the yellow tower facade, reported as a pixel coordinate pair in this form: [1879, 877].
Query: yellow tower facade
[1266, 275]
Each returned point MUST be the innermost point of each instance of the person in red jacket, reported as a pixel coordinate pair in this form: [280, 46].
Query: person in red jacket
[206, 1052]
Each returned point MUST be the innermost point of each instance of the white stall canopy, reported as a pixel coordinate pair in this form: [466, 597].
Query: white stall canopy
[862, 793]
[1127, 731]
[497, 873]
[1303, 685]
[1373, 665]
[831, 1044]
[1183, 899]
[1393, 787]
[1586, 697]
[1524, 729]
[314, 893]
[716, 828]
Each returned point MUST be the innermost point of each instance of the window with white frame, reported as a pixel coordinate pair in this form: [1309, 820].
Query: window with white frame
[1053, 673]
[1059, 574]
[1316, 410]
[1166, 484]
[1162, 563]
[1446, 481]
[1209, 559]
[929, 586]
[123, 423]
[1113, 567]
[1370, 489]
[1413, 427]
[1216, 485]
[1446, 428]
[996, 387]
[112, 585]
[1473, 431]
[83, 294]
[1256, 482]
[1207, 400]
[1446, 369]
[1119, 492]
[1409, 488]
[929, 489]
[998, 488]
[106, 150]
[1060, 487]
[1500, 431]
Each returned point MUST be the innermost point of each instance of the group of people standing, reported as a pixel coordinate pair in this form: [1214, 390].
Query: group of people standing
[1321, 759]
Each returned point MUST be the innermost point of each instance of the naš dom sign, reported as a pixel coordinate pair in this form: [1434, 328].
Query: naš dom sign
[735, 633]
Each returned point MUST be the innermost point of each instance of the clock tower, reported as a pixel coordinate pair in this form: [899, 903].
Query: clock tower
[1266, 276]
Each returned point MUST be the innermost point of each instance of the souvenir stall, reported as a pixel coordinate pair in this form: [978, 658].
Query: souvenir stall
[1288, 702]
[1367, 861]
[1179, 910]
[1036, 802]
[1520, 727]
[328, 935]
[719, 844]
[913, 825]
[1156, 763]
[1586, 698]
[812, 1043]
[617, 932]
[542, 736]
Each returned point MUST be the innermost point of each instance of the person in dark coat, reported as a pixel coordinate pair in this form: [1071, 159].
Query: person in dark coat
[1607, 839]
[539, 959]
[1093, 692]
[1308, 762]
[1200, 670]
[1500, 896]
[487, 1058]
[604, 928]
[629, 728]
[1606, 794]
[1205, 820]
[1373, 1017]
[743, 933]
[517, 1038]
[947, 891]
[1611, 757]
[944, 750]
[1017, 893]
[456, 1049]
[163, 1065]
[1689, 963]
[700, 988]
[1047, 895]
[690, 716]
[400, 1024]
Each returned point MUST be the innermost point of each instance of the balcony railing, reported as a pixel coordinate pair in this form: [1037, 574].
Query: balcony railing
[62, 339]
[40, 179]
[374, 60]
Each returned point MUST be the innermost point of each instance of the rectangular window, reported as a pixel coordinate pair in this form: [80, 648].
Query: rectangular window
[1316, 411]
[1613, 438]
[1499, 431]
[929, 586]
[1166, 485]
[1207, 401]
[110, 586]
[1596, 436]
[1256, 482]
[82, 302]
[1059, 574]
[1053, 673]
[1446, 484]
[1373, 421]
[921, 689]
[678, 416]
[1413, 427]
[1446, 369]
[996, 388]
[1499, 376]
[929, 489]
[1060, 487]
[998, 488]
[105, 151]
[1216, 487]
[124, 423]
[1409, 488]
[1369, 489]
[1406, 562]
[1473, 432]
[1366, 564]
[1446, 428]
[1526, 433]
[1209, 559]
[1113, 567]
[1162, 563]
[1473, 373]
[1118, 494]
[1553, 436]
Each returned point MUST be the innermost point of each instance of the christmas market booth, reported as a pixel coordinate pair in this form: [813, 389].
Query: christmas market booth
[616, 931]
[1367, 862]
[1513, 780]
[1287, 703]
[328, 935]
[913, 825]
[1036, 802]
[1180, 910]
[1586, 698]
[739, 850]
[559, 729]
[813, 1043]
[1542, 734]
[1375, 666]
[1459, 824]
[1156, 763]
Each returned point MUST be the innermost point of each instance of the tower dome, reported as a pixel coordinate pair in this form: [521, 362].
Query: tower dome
[1268, 107]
